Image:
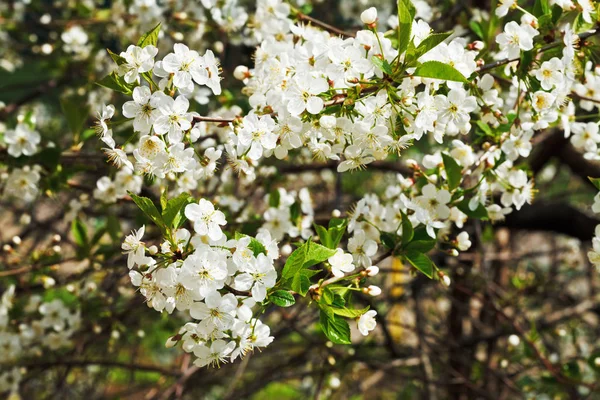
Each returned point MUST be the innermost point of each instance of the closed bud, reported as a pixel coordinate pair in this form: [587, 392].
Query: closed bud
[152, 250]
[369, 16]
[16, 240]
[372, 270]
[241, 72]
[374, 290]
[172, 342]
[336, 213]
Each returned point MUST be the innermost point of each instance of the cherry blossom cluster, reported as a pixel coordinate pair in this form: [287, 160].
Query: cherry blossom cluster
[46, 326]
[162, 122]
[220, 283]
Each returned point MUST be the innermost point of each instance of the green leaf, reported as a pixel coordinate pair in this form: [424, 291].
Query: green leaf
[337, 228]
[406, 15]
[430, 42]
[172, 213]
[323, 235]
[453, 171]
[382, 64]
[476, 28]
[407, 229]
[485, 128]
[480, 212]
[79, 232]
[116, 58]
[254, 245]
[294, 262]
[150, 38]
[595, 181]
[76, 113]
[328, 296]
[274, 198]
[316, 254]
[300, 284]
[421, 262]
[540, 7]
[148, 207]
[116, 83]
[282, 298]
[422, 246]
[439, 70]
[336, 329]
[389, 240]
[348, 312]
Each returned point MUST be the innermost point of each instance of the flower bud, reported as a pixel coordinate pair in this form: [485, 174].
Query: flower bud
[369, 16]
[171, 342]
[16, 240]
[336, 213]
[374, 290]
[241, 72]
[372, 270]
[152, 250]
[514, 340]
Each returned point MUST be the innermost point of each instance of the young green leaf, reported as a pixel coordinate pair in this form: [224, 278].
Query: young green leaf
[172, 213]
[430, 42]
[439, 70]
[282, 298]
[348, 312]
[480, 212]
[406, 15]
[453, 171]
[116, 83]
[79, 232]
[300, 284]
[595, 181]
[324, 236]
[316, 254]
[294, 262]
[148, 207]
[336, 329]
[407, 229]
[150, 37]
[421, 262]
[382, 64]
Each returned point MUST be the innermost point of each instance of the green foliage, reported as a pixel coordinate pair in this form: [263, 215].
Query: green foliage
[282, 298]
[332, 236]
[254, 245]
[453, 171]
[439, 70]
[335, 328]
[406, 15]
[382, 64]
[420, 261]
[172, 213]
[116, 83]
[150, 37]
[80, 236]
[150, 210]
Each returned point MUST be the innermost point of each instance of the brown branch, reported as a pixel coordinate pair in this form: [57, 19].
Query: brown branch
[505, 61]
[327, 27]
